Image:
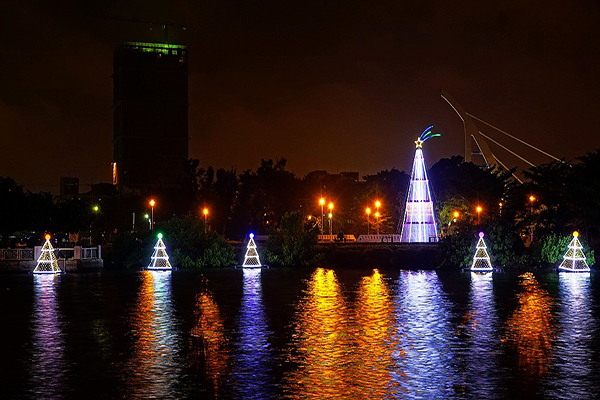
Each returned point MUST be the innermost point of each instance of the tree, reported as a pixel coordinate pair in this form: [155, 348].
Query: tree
[295, 243]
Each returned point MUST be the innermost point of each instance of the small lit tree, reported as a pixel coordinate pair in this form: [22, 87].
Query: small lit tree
[47, 263]
[160, 258]
[481, 259]
[251, 259]
[574, 259]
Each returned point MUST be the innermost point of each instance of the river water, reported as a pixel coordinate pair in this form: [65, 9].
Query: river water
[300, 334]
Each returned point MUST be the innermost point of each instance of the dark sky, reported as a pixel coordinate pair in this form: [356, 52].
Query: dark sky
[334, 85]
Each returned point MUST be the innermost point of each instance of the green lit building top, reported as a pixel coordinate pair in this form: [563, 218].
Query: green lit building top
[150, 112]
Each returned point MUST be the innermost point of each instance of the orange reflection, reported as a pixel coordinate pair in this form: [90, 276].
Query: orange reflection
[207, 341]
[375, 338]
[530, 328]
[321, 342]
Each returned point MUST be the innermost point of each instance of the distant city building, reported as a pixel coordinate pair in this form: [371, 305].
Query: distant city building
[320, 175]
[69, 187]
[150, 108]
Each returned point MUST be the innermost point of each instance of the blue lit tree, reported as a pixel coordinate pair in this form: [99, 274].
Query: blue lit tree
[419, 220]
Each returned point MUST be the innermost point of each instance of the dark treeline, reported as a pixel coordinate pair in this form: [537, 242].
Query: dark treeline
[566, 197]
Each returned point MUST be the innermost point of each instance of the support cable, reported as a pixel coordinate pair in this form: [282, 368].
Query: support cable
[505, 148]
[504, 166]
[515, 138]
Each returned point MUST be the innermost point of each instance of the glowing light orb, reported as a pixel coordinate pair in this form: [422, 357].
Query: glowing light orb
[481, 234]
[575, 233]
[47, 237]
[160, 235]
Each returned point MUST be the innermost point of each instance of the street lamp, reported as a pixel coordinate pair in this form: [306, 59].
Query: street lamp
[532, 199]
[205, 212]
[149, 222]
[330, 206]
[152, 203]
[368, 211]
[322, 202]
[377, 205]
[479, 209]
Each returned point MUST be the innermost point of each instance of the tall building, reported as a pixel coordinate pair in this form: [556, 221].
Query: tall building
[150, 108]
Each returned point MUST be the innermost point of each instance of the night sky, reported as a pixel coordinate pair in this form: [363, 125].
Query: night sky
[334, 85]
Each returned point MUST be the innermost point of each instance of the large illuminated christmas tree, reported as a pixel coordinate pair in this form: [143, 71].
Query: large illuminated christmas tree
[481, 259]
[47, 263]
[160, 259]
[251, 259]
[574, 259]
[419, 220]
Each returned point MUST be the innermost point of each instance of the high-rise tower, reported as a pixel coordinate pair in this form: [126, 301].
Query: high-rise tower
[150, 107]
[419, 219]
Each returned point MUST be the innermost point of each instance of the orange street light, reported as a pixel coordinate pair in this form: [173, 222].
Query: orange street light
[322, 203]
[377, 220]
[330, 226]
[368, 211]
[152, 203]
[479, 209]
[205, 212]
[456, 214]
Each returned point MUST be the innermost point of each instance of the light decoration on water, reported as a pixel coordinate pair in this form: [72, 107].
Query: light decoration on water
[47, 262]
[481, 259]
[574, 259]
[160, 258]
[419, 219]
[251, 259]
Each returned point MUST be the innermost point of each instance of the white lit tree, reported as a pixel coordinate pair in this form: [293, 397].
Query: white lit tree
[47, 263]
[481, 259]
[251, 259]
[574, 259]
[160, 258]
[419, 218]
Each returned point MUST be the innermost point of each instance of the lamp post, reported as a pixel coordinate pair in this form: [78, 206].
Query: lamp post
[532, 199]
[149, 222]
[368, 211]
[377, 205]
[479, 209]
[152, 203]
[322, 202]
[205, 212]
[330, 206]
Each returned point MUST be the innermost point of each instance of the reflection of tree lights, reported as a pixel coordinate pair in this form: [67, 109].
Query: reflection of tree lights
[530, 329]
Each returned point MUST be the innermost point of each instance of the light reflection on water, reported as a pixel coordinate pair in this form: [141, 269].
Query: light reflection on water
[482, 339]
[253, 359]
[347, 335]
[49, 367]
[321, 342]
[377, 361]
[426, 336]
[153, 369]
[530, 329]
[208, 350]
[576, 370]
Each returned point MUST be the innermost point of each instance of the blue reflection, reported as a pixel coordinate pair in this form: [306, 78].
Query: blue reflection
[49, 368]
[576, 368]
[426, 336]
[481, 327]
[252, 368]
[153, 369]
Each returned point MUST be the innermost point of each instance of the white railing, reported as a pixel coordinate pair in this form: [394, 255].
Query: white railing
[25, 254]
[335, 238]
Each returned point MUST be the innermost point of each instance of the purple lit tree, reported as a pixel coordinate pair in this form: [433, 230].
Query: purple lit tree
[419, 220]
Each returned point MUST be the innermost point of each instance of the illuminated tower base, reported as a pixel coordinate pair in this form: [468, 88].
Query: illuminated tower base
[574, 259]
[419, 220]
[251, 259]
[160, 258]
[47, 263]
[481, 259]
